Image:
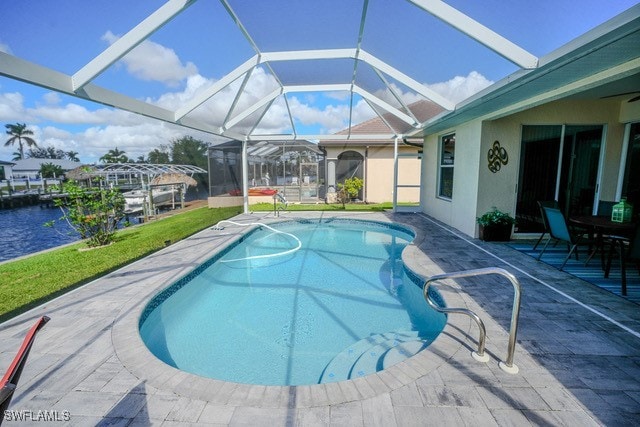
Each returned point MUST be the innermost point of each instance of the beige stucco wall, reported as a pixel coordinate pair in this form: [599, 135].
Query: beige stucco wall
[378, 175]
[460, 211]
[224, 201]
[474, 139]
[630, 112]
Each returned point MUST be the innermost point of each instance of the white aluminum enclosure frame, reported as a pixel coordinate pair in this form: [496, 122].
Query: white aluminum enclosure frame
[235, 125]
[80, 83]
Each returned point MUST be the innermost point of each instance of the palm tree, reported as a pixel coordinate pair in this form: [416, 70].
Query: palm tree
[20, 134]
[114, 156]
[158, 157]
[72, 155]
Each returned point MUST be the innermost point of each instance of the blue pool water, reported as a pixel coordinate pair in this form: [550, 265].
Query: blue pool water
[340, 307]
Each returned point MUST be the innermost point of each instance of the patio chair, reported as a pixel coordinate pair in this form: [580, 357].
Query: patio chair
[559, 231]
[628, 249]
[10, 380]
[545, 224]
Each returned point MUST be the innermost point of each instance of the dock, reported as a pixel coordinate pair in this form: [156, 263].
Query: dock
[28, 198]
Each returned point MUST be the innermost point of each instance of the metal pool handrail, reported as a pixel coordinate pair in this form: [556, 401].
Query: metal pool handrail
[508, 365]
[282, 200]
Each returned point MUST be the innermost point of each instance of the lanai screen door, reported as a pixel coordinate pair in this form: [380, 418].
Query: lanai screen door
[558, 162]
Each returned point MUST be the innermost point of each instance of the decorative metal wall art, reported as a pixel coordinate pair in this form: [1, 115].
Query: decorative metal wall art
[497, 156]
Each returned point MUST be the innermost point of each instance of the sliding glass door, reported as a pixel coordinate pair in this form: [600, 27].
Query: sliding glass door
[631, 178]
[561, 163]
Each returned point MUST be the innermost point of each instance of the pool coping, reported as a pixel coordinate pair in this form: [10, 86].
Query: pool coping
[136, 357]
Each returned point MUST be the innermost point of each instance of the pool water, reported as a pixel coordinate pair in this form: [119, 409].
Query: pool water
[340, 307]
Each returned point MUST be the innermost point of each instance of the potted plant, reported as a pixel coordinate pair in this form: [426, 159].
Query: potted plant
[495, 225]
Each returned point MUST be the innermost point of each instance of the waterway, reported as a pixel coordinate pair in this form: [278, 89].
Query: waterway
[22, 231]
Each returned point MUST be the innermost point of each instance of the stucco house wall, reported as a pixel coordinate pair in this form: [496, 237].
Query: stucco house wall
[476, 189]
[378, 170]
[460, 211]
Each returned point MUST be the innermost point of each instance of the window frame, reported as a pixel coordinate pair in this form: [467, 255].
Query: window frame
[442, 165]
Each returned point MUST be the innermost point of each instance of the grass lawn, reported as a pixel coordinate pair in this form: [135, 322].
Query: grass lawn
[30, 281]
[264, 207]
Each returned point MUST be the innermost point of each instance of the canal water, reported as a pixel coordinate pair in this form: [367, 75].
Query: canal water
[22, 231]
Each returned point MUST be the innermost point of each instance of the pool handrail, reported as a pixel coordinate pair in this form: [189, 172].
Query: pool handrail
[283, 200]
[507, 365]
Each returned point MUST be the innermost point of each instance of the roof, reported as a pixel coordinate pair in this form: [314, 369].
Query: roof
[33, 164]
[387, 126]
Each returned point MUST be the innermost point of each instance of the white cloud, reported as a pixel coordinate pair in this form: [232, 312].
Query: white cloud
[132, 133]
[151, 61]
[12, 108]
[331, 118]
[5, 48]
[70, 126]
[460, 88]
[216, 109]
[52, 98]
[71, 114]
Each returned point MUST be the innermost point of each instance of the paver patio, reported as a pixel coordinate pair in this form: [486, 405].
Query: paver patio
[578, 351]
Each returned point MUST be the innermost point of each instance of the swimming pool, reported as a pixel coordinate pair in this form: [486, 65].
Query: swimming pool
[265, 312]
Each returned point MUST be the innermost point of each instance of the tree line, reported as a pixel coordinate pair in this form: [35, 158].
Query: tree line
[184, 151]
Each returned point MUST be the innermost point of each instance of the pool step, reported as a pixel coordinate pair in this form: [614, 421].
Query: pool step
[384, 355]
[362, 357]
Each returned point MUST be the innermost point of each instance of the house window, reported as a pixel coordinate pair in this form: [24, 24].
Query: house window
[447, 153]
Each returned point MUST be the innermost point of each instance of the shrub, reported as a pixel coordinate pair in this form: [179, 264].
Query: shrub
[92, 212]
[349, 189]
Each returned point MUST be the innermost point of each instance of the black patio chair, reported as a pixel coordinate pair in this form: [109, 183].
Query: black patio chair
[10, 379]
[628, 249]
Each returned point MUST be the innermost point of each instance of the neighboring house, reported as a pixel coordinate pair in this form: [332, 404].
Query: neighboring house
[30, 168]
[568, 130]
[306, 172]
[5, 170]
[373, 160]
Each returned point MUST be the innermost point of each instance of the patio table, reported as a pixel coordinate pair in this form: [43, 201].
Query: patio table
[601, 226]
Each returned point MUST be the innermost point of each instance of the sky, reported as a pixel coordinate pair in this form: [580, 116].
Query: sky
[202, 44]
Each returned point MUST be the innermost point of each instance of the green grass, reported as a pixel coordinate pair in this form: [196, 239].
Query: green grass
[264, 207]
[30, 281]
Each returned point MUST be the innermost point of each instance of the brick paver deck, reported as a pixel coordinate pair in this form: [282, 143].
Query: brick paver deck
[578, 352]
